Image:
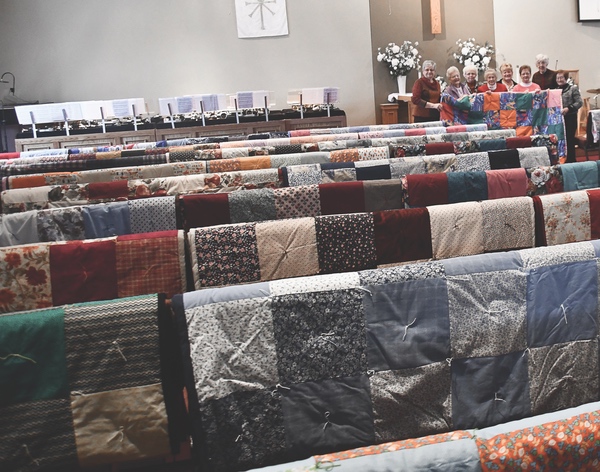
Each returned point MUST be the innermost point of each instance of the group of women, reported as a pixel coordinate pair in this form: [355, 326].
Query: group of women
[426, 92]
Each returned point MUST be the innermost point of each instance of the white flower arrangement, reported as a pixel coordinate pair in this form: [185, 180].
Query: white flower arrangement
[442, 82]
[469, 53]
[400, 60]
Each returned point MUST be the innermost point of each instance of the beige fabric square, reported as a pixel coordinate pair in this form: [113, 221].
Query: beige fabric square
[287, 248]
[508, 223]
[120, 425]
[456, 230]
[567, 217]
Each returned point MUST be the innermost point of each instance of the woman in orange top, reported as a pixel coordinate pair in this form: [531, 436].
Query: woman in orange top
[526, 85]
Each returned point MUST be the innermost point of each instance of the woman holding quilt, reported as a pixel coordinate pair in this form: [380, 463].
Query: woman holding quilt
[571, 102]
[526, 85]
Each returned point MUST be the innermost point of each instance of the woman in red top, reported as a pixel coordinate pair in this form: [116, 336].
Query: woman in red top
[426, 95]
[491, 83]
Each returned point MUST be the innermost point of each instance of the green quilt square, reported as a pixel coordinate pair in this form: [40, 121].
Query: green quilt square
[523, 101]
[32, 357]
[539, 116]
[558, 130]
[476, 117]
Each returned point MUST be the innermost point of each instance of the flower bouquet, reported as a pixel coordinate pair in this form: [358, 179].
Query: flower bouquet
[400, 60]
[470, 53]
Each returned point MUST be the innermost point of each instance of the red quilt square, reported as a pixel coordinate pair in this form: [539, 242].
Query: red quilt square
[102, 190]
[83, 271]
[427, 189]
[149, 265]
[208, 209]
[594, 197]
[432, 149]
[342, 198]
[402, 235]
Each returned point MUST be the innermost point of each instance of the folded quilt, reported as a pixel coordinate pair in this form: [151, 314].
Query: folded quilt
[278, 371]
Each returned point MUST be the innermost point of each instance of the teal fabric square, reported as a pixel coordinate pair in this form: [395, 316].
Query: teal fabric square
[467, 187]
[579, 176]
[476, 117]
[558, 130]
[32, 357]
[523, 101]
[539, 117]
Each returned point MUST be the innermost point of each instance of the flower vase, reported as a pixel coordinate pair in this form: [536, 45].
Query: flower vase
[401, 84]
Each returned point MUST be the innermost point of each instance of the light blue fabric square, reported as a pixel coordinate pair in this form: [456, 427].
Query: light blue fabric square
[579, 175]
[106, 219]
[482, 263]
[562, 303]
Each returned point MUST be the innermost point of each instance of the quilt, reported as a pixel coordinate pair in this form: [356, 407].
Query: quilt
[52, 274]
[278, 371]
[564, 440]
[527, 113]
[84, 385]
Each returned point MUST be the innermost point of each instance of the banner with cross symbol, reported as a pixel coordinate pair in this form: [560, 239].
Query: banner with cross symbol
[258, 18]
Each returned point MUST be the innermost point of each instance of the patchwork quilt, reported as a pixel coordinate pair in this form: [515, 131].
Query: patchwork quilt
[278, 371]
[527, 113]
[83, 385]
[39, 198]
[565, 440]
[52, 274]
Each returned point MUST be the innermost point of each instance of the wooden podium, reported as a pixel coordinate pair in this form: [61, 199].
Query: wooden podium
[400, 111]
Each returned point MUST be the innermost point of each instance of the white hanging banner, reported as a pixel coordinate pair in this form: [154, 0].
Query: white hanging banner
[258, 18]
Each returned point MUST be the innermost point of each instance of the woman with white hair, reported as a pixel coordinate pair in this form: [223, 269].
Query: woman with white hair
[491, 83]
[544, 77]
[470, 75]
[426, 95]
[455, 89]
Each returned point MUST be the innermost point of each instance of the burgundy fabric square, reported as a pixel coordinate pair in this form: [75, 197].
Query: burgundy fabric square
[427, 189]
[540, 225]
[432, 149]
[208, 209]
[342, 197]
[102, 190]
[402, 235]
[594, 198]
[83, 271]
[518, 142]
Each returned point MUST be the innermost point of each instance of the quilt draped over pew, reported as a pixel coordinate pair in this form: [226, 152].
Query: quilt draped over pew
[282, 370]
[52, 274]
[85, 385]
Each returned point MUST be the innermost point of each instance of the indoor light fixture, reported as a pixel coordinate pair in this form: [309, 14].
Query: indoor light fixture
[12, 89]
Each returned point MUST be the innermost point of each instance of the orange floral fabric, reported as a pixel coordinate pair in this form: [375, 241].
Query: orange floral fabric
[570, 444]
